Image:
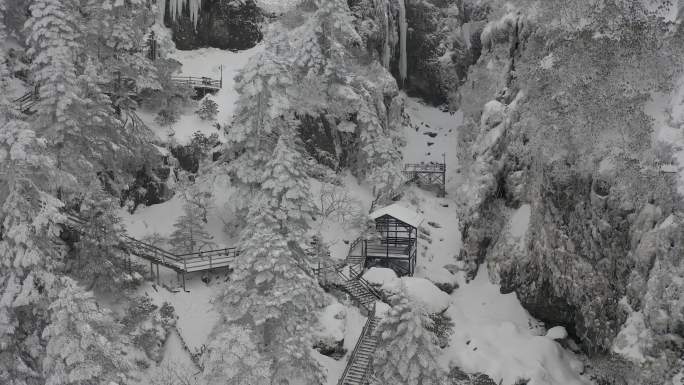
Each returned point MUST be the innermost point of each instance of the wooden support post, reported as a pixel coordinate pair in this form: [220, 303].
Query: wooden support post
[183, 274]
[157, 274]
[151, 272]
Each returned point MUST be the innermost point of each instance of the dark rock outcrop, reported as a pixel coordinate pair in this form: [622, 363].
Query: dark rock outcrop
[224, 24]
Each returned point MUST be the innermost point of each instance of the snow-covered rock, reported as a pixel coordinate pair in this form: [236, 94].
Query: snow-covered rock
[426, 293]
[557, 333]
[331, 321]
[329, 336]
[493, 114]
[443, 279]
[380, 276]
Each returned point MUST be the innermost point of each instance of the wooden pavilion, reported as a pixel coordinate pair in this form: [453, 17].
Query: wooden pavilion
[395, 242]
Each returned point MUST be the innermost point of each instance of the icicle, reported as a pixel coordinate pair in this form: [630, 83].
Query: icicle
[382, 8]
[403, 27]
[176, 9]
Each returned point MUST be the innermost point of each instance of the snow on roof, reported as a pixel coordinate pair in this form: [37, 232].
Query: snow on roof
[399, 212]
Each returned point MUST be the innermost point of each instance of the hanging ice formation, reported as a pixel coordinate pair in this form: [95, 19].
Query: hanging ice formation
[403, 28]
[384, 16]
[176, 8]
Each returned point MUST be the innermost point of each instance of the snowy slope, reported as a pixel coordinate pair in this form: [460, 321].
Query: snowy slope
[207, 62]
[493, 333]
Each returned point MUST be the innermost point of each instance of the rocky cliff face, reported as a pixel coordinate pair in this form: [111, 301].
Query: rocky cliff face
[588, 236]
[231, 24]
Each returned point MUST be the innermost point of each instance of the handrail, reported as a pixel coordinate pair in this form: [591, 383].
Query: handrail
[197, 81]
[368, 286]
[427, 167]
[208, 252]
[161, 254]
[364, 333]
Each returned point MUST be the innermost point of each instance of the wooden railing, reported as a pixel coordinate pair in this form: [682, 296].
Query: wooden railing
[366, 332]
[425, 167]
[205, 260]
[182, 263]
[28, 100]
[368, 286]
[197, 82]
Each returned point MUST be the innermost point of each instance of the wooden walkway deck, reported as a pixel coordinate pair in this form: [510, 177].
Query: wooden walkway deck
[201, 84]
[180, 263]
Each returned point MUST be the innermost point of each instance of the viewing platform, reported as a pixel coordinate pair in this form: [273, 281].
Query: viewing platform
[394, 244]
[427, 174]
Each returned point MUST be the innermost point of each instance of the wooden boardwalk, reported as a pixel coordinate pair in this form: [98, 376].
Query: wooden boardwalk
[201, 84]
[180, 263]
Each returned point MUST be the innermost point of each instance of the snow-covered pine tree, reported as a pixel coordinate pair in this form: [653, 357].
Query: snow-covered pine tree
[335, 82]
[233, 358]
[117, 33]
[253, 133]
[407, 352]
[208, 109]
[36, 302]
[100, 261]
[82, 346]
[272, 293]
[190, 235]
[71, 65]
[54, 40]
[28, 218]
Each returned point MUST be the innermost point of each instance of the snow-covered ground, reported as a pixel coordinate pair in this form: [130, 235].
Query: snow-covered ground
[277, 6]
[432, 138]
[204, 62]
[493, 334]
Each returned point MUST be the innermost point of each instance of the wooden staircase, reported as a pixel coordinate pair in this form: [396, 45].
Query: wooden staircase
[357, 371]
[359, 365]
[26, 102]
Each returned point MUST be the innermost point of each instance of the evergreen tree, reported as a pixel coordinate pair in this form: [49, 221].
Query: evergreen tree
[74, 52]
[36, 302]
[255, 127]
[208, 109]
[101, 261]
[55, 43]
[81, 341]
[189, 235]
[334, 82]
[233, 358]
[407, 352]
[272, 293]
